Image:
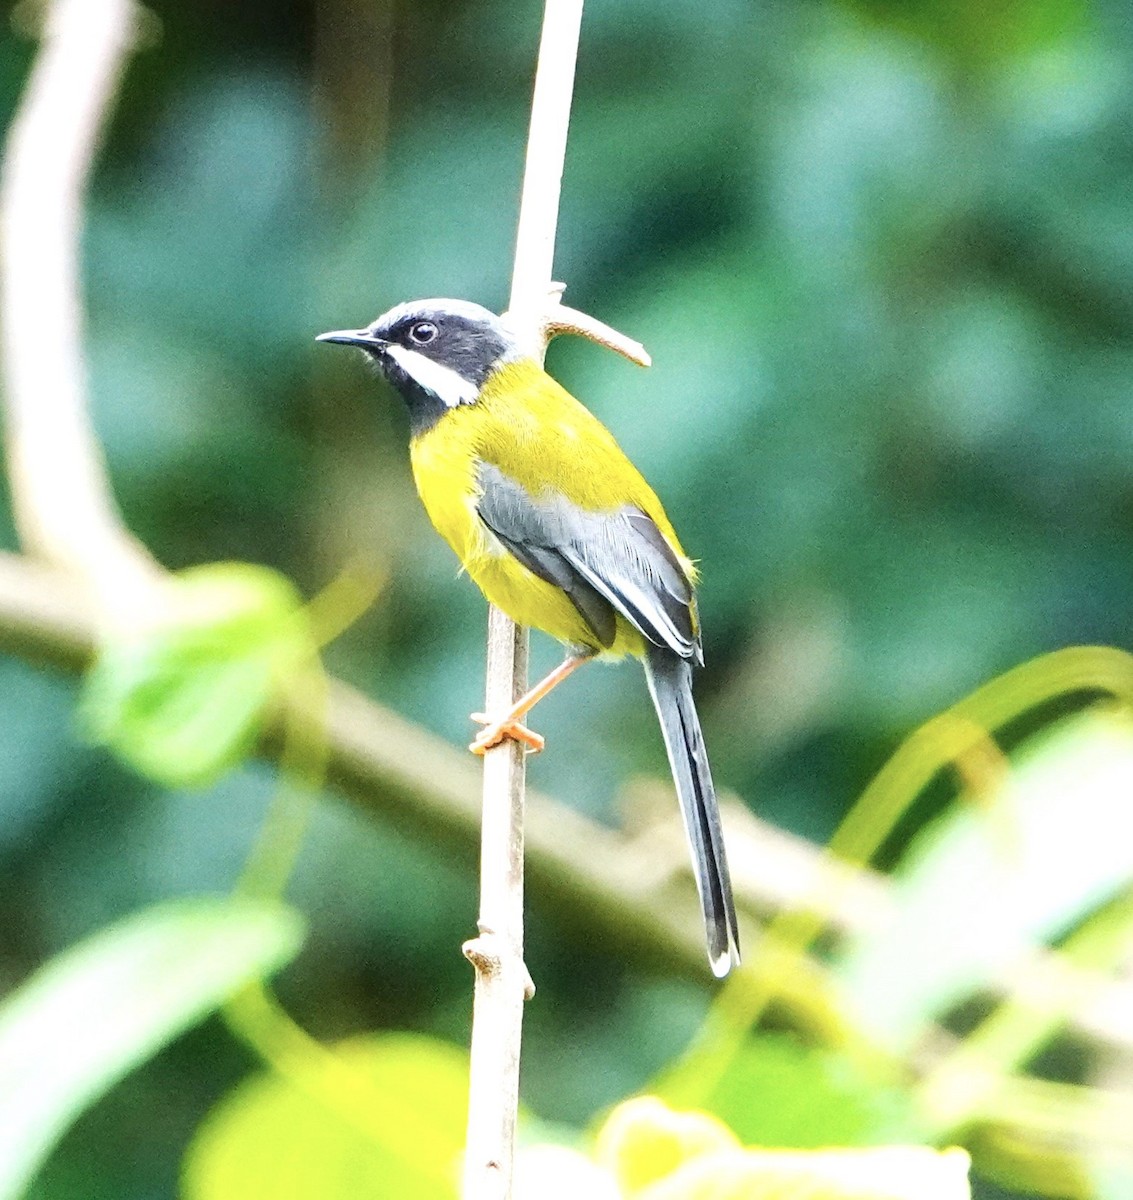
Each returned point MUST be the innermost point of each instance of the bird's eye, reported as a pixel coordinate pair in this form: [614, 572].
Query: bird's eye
[423, 332]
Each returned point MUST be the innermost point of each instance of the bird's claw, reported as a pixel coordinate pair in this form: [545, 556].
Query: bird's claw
[495, 732]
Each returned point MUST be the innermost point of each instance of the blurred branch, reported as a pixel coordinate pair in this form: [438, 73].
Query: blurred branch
[390, 767]
[964, 1083]
[1036, 1135]
[628, 892]
[63, 506]
[46, 616]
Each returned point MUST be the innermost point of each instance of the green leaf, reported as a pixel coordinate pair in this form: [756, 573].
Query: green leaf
[377, 1116]
[182, 696]
[979, 887]
[98, 1010]
[778, 1092]
[985, 35]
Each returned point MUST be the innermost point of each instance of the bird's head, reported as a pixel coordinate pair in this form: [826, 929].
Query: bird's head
[436, 353]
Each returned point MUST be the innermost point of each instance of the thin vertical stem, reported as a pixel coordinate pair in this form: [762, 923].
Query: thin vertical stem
[531, 287]
[502, 981]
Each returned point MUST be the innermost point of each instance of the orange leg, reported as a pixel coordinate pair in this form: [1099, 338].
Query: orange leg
[509, 725]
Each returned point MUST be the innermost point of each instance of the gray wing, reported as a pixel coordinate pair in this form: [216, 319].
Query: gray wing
[606, 563]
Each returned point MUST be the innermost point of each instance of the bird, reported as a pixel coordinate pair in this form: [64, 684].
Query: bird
[559, 529]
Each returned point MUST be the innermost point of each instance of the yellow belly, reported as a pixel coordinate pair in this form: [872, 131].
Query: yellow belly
[528, 600]
[505, 581]
[534, 431]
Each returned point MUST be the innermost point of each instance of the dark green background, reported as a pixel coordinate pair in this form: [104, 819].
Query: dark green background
[882, 254]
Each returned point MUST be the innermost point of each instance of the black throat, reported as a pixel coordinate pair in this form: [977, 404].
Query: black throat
[468, 347]
[425, 407]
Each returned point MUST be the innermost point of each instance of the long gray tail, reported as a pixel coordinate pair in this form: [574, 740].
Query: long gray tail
[670, 684]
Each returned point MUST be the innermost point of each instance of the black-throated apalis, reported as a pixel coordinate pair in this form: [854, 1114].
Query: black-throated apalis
[560, 531]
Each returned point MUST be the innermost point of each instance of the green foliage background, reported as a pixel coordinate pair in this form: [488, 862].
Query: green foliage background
[882, 254]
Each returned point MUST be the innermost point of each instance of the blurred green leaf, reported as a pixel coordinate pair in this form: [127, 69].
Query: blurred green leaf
[982, 34]
[778, 1092]
[379, 1116]
[983, 884]
[98, 1010]
[181, 698]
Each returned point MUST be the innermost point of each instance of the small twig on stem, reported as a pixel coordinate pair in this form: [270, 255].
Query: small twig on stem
[561, 319]
[63, 506]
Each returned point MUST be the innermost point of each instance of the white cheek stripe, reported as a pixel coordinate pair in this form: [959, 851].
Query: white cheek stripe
[449, 386]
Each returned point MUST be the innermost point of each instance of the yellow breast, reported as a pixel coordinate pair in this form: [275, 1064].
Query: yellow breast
[539, 435]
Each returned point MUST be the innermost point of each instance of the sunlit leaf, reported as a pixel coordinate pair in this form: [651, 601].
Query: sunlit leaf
[986, 882]
[557, 1173]
[1113, 1177]
[98, 1010]
[380, 1116]
[644, 1140]
[657, 1153]
[885, 1173]
[181, 697]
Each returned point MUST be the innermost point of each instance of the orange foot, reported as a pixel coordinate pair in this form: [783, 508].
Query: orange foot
[495, 732]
